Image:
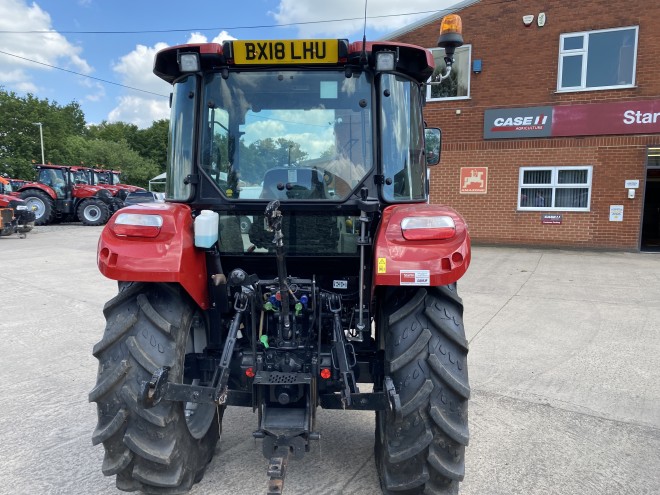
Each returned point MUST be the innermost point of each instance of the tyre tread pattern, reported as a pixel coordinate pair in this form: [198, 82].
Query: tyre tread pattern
[426, 354]
[149, 450]
[154, 317]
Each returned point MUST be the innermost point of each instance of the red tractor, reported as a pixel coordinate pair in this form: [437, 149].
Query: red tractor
[16, 216]
[113, 177]
[346, 275]
[62, 192]
[86, 175]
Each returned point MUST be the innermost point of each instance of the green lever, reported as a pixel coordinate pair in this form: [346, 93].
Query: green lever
[264, 341]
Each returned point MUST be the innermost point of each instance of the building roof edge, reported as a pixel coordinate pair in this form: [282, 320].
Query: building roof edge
[428, 20]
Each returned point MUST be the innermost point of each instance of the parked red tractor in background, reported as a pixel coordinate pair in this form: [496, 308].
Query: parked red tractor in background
[61, 193]
[16, 216]
[346, 275]
[113, 177]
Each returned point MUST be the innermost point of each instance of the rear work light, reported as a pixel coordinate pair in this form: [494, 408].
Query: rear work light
[137, 225]
[188, 62]
[385, 61]
[428, 228]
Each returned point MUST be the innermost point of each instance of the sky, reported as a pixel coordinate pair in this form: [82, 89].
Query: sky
[106, 47]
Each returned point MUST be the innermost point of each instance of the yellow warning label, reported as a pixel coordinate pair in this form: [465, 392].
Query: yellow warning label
[382, 265]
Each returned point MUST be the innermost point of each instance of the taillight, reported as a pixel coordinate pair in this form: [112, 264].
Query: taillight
[428, 228]
[137, 225]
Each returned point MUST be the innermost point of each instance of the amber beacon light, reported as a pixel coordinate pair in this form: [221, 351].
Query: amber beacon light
[451, 33]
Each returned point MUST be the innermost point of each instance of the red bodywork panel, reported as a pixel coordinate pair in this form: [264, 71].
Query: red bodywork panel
[171, 256]
[399, 261]
[5, 199]
[86, 191]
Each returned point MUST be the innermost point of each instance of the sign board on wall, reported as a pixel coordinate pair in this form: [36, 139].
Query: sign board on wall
[616, 213]
[551, 218]
[518, 123]
[474, 180]
[596, 119]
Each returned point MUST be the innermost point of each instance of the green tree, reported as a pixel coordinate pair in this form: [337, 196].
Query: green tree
[150, 143]
[140, 153]
[20, 143]
[135, 169]
[114, 131]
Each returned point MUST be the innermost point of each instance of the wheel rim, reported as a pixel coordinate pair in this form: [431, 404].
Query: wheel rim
[92, 213]
[198, 416]
[37, 206]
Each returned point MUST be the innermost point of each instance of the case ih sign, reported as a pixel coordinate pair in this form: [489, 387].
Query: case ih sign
[639, 117]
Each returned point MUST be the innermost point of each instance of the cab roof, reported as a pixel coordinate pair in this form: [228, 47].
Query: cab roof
[415, 61]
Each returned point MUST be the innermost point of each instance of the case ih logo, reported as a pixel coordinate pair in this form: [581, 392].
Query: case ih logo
[518, 122]
[529, 123]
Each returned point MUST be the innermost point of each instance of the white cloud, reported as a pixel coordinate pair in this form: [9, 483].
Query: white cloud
[201, 38]
[136, 70]
[300, 11]
[47, 48]
[140, 110]
[97, 90]
[18, 81]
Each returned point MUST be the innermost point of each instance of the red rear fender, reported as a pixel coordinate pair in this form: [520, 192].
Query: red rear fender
[148, 254]
[40, 187]
[433, 257]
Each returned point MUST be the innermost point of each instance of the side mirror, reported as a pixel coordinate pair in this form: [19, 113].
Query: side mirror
[432, 145]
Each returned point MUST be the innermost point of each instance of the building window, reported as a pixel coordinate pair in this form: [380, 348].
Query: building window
[555, 188]
[457, 85]
[603, 59]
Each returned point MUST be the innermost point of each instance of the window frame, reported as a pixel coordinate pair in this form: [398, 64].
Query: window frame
[469, 76]
[554, 185]
[585, 52]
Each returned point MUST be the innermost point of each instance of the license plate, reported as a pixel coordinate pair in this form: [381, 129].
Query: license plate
[286, 52]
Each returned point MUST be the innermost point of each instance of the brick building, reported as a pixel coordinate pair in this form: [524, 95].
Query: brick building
[551, 122]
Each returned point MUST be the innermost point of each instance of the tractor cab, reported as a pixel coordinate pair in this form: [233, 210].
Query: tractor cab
[57, 178]
[318, 125]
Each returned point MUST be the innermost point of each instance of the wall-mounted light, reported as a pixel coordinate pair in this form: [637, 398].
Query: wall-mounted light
[528, 19]
[476, 66]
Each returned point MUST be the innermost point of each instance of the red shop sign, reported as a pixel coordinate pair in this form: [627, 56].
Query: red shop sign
[635, 117]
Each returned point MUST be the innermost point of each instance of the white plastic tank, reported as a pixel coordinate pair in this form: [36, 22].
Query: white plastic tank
[206, 229]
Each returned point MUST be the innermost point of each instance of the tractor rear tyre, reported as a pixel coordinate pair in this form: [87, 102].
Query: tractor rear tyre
[43, 206]
[93, 212]
[426, 357]
[164, 449]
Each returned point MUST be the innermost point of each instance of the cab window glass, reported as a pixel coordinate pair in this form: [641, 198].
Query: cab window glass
[287, 135]
[181, 139]
[402, 128]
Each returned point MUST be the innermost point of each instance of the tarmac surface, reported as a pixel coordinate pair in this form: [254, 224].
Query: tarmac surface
[564, 367]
